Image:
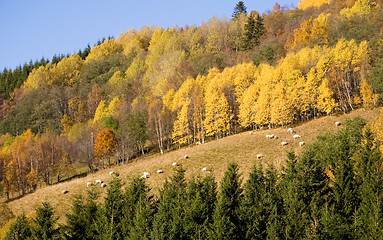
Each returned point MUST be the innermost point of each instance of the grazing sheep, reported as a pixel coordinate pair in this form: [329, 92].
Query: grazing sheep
[259, 156]
[204, 169]
[89, 184]
[198, 142]
[270, 136]
[98, 181]
[186, 156]
[284, 143]
[146, 174]
[143, 176]
[338, 124]
[290, 130]
[251, 132]
[301, 143]
[64, 191]
[174, 164]
[276, 137]
[111, 172]
[103, 185]
[296, 136]
[160, 171]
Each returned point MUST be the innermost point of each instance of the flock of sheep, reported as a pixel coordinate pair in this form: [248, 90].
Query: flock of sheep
[284, 143]
[205, 169]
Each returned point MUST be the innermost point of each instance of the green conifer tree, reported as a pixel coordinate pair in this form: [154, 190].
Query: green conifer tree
[20, 230]
[45, 222]
[240, 8]
[226, 216]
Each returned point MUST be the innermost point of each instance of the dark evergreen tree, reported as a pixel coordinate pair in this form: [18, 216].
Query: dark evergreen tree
[44, 223]
[201, 200]
[226, 216]
[20, 230]
[137, 210]
[169, 220]
[81, 222]
[110, 222]
[253, 211]
[253, 30]
[239, 8]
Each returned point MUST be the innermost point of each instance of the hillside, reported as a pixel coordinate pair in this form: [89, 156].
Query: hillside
[215, 155]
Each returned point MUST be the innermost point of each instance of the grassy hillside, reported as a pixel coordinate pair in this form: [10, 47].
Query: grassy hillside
[214, 155]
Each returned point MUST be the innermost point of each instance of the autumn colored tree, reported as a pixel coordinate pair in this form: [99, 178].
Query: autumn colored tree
[105, 145]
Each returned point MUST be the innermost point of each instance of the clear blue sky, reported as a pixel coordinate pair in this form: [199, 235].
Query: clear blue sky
[43, 28]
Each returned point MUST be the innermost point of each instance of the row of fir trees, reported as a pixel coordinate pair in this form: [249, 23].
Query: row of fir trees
[156, 89]
[333, 190]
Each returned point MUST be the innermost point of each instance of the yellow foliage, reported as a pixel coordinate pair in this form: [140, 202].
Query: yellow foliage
[304, 4]
[104, 50]
[368, 97]
[181, 132]
[101, 111]
[37, 77]
[326, 102]
[66, 71]
[377, 127]
[360, 8]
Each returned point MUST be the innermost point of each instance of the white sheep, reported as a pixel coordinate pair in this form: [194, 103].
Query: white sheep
[338, 124]
[64, 191]
[111, 172]
[251, 132]
[259, 156]
[198, 142]
[146, 174]
[186, 156]
[174, 164]
[270, 136]
[296, 136]
[160, 171]
[276, 137]
[89, 184]
[301, 143]
[204, 169]
[284, 143]
[98, 181]
[103, 185]
[290, 130]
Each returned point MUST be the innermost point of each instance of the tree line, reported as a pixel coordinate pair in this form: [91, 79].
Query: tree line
[333, 190]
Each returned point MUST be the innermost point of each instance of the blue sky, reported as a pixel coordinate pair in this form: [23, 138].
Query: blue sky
[43, 28]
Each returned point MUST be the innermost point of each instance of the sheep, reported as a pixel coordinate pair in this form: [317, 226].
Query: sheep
[276, 137]
[270, 136]
[338, 124]
[174, 164]
[160, 171]
[64, 191]
[296, 136]
[88, 184]
[251, 132]
[259, 156]
[111, 172]
[103, 185]
[98, 181]
[301, 143]
[204, 169]
[198, 142]
[186, 156]
[290, 130]
[284, 143]
[146, 174]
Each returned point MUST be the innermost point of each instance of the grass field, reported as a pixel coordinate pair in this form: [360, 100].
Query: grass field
[215, 155]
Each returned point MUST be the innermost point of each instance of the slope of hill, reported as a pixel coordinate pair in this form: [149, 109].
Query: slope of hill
[215, 155]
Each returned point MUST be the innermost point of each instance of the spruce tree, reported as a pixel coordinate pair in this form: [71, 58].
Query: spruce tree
[226, 216]
[20, 230]
[45, 222]
[137, 210]
[109, 223]
[253, 211]
[81, 222]
[253, 30]
[240, 8]
[169, 221]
